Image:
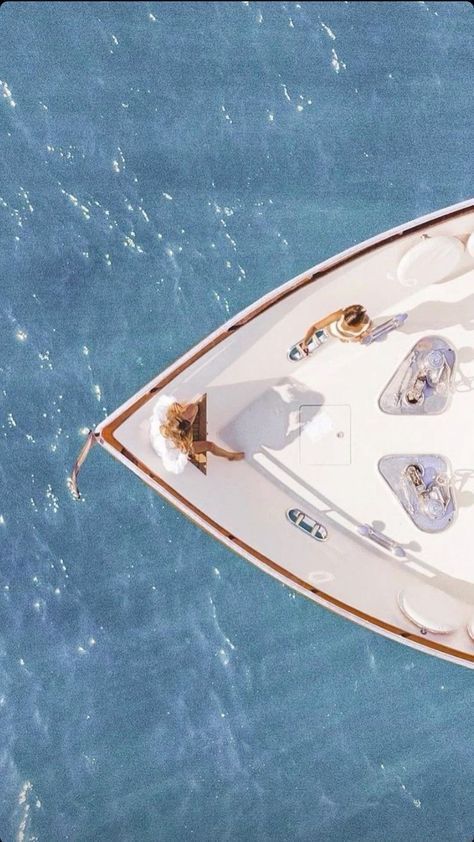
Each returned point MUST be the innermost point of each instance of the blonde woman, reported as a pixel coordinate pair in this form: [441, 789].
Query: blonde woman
[171, 434]
[349, 324]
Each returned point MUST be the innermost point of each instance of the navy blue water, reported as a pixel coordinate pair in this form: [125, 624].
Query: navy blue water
[164, 165]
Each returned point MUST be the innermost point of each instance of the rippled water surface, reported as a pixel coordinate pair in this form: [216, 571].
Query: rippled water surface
[162, 166]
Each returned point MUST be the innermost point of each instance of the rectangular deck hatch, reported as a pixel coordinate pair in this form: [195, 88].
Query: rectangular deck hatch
[325, 434]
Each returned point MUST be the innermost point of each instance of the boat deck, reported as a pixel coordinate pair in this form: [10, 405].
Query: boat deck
[313, 435]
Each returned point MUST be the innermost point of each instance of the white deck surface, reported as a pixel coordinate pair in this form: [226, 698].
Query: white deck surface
[280, 413]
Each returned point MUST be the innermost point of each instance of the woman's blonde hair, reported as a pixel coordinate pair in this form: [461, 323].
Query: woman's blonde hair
[178, 429]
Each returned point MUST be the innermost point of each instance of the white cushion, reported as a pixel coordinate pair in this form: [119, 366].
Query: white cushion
[470, 628]
[430, 260]
[470, 245]
[430, 609]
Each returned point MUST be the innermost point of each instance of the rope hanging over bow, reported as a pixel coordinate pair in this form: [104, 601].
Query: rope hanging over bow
[72, 481]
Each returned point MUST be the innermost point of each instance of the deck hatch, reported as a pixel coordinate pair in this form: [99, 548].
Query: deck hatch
[325, 434]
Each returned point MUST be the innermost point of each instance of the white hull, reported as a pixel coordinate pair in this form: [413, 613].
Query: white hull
[277, 412]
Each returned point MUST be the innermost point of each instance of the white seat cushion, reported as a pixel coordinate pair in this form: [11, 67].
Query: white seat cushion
[470, 245]
[430, 260]
[430, 609]
[470, 628]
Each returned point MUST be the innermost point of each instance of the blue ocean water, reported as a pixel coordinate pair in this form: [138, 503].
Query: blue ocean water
[163, 165]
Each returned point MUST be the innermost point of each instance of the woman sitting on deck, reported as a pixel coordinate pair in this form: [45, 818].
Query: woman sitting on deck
[171, 433]
[350, 324]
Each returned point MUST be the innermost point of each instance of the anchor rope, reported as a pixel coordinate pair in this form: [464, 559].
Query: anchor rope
[72, 481]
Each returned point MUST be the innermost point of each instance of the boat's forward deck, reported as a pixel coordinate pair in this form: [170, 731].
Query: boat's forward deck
[313, 435]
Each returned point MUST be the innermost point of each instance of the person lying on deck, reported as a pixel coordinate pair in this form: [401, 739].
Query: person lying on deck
[349, 324]
[171, 433]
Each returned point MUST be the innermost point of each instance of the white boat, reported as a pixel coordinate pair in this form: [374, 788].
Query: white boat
[357, 487]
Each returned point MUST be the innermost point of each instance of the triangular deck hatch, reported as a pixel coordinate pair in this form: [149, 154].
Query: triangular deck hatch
[422, 485]
[421, 383]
